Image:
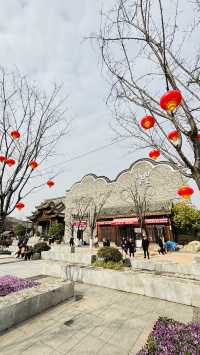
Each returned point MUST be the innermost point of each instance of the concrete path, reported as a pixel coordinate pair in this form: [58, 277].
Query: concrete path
[21, 268]
[98, 321]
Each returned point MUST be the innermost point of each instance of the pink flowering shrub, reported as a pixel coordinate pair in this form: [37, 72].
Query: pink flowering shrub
[173, 338]
[9, 284]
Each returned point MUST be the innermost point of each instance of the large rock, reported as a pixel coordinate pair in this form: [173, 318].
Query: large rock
[192, 247]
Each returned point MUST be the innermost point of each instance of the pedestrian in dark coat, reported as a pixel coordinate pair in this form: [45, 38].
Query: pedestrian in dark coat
[160, 243]
[145, 246]
[131, 247]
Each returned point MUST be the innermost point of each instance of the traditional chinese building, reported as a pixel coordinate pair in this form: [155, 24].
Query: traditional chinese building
[48, 212]
[157, 183]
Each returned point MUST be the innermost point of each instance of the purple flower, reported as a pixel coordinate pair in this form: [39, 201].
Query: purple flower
[9, 284]
[169, 337]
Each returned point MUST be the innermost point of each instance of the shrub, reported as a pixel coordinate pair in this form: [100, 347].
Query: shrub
[108, 265]
[39, 247]
[171, 337]
[109, 254]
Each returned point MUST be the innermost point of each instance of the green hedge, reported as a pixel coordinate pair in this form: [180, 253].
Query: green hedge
[39, 247]
[109, 254]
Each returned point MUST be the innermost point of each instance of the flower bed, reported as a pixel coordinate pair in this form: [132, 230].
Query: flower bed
[9, 284]
[170, 338]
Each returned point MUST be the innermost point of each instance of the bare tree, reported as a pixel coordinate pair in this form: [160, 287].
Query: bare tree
[31, 124]
[139, 200]
[94, 209]
[79, 212]
[69, 224]
[150, 47]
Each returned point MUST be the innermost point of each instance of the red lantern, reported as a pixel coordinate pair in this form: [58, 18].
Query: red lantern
[2, 158]
[154, 154]
[10, 162]
[173, 136]
[170, 100]
[50, 183]
[15, 134]
[147, 122]
[185, 192]
[33, 164]
[19, 205]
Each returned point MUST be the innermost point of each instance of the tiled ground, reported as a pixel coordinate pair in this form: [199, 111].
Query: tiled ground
[98, 321]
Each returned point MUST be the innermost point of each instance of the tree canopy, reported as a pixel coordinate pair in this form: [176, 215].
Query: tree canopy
[185, 217]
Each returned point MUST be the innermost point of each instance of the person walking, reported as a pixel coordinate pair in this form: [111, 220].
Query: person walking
[131, 247]
[71, 244]
[145, 246]
[160, 243]
[96, 242]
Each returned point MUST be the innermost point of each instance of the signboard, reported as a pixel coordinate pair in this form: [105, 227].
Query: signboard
[133, 221]
[80, 224]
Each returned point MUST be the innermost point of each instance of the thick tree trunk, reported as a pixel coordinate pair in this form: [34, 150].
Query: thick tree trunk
[196, 177]
[2, 223]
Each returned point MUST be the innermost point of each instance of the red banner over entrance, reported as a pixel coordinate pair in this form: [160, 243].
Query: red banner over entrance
[133, 221]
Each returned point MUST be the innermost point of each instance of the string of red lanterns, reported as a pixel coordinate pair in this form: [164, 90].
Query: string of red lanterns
[154, 154]
[2, 158]
[185, 192]
[171, 100]
[147, 122]
[50, 183]
[19, 205]
[10, 162]
[15, 134]
[173, 136]
[33, 164]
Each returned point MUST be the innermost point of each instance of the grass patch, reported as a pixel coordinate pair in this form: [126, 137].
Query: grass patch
[108, 265]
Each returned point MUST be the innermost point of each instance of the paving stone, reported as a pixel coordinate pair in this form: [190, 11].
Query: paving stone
[103, 322]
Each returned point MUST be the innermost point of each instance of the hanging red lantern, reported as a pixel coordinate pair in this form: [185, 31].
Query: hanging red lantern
[50, 183]
[10, 162]
[15, 134]
[185, 192]
[154, 154]
[2, 158]
[173, 136]
[147, 122]
[33, 164]
[170, 100]
[19, 205]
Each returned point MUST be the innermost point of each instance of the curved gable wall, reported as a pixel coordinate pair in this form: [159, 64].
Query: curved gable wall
[162, 178]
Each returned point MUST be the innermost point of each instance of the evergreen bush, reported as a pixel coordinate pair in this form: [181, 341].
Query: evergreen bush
[109, 254]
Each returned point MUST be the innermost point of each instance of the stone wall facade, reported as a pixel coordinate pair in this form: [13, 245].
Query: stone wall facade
[160, 181]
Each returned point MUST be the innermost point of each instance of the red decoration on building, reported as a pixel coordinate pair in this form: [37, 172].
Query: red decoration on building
[154, 154]
[15, 134]
[19, 205]
[33, 164]
[2, 158]
[185, 192]
[198, 136]
[50, 183]
[173, 136]
[10, 162]
[147, 122]
[170, 100]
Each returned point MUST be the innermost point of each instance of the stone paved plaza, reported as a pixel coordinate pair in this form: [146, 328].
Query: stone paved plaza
[96, 321]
